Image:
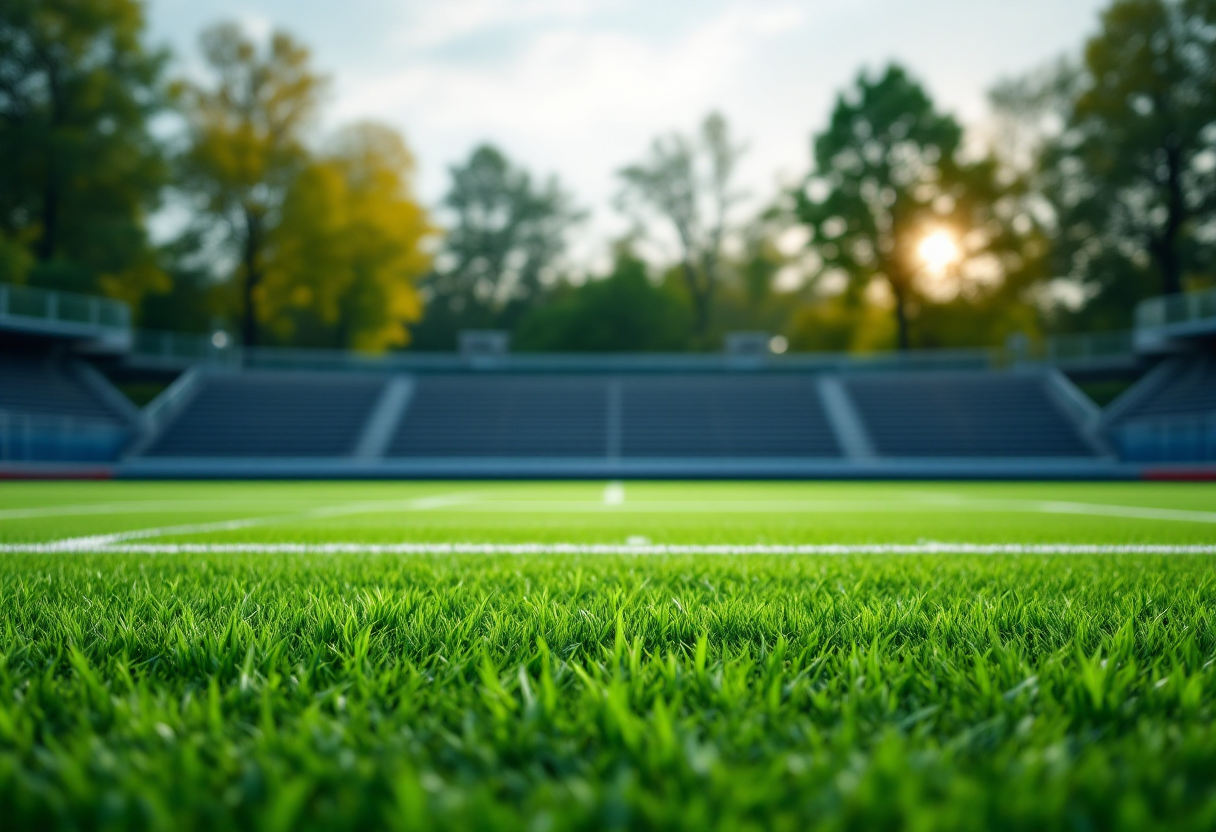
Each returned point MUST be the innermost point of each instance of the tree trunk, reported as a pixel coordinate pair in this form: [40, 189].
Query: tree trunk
[901, 319]
[253, 277]
[1171, 267]
[48, 242]
[700, 298]
[1166, 250]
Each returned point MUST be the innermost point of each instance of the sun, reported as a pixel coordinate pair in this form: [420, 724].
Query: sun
[939, 250]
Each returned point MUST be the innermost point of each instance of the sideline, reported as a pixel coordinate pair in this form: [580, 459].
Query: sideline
[131, 507]
[929, 548]
[104, 542]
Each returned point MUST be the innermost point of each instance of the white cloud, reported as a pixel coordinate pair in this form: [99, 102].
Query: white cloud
[256, 25]
[579, 100]
[435, 24]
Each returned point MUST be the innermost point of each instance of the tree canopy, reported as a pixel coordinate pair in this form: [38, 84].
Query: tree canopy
[622, 312]
[81, 169]
[502, 249]
[342, 264]
[1132, 176]
[687, 182]
[247, 146]
[893, 204]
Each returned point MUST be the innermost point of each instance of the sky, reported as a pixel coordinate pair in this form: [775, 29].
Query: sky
[579, 88]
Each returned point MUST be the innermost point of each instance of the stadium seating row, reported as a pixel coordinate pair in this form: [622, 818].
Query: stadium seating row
[51, 409]
[669, 416]
[1170, 415]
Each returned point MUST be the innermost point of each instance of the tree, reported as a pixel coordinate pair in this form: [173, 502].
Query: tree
[342, 265]
[1132, 176]
[891, 202]
[688, 183]
[501, 251]
[621, 312]
[246, 145]
[80, 167]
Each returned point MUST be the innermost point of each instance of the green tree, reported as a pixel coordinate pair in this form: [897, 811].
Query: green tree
[688, 183]
[343, 263]
[247, 147]
[623, 312]
[1132, 174]
[892, 204]
[501, 251]
[751, 299]
[80, 167]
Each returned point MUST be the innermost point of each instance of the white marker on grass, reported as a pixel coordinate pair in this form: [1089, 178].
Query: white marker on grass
[614, 493]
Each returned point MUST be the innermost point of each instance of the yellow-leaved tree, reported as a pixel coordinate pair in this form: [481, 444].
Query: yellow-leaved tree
[248, 122]
[326, 246]
[343, 262]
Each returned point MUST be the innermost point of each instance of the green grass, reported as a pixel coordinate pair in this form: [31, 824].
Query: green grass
[353, 691]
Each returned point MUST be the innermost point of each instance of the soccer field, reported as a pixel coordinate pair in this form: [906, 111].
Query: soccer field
[602, 655]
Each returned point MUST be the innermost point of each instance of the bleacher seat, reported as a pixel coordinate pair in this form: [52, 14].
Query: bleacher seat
[685, 416]
[49, 414]
[504, 416]
[45, 387]
[638, 416]
[964, 415]
[1187, 389]
[724, 416]
[1170, 416]
[271, 415]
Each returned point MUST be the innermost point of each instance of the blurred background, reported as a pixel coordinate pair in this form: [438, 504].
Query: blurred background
[610, 175]
[607, 176]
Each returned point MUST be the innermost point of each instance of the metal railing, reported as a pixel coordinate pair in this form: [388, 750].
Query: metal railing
[44, 305]
[1089, 347]
[1171, 310]
[183, 348]
[180, 350]
[173, 348]
[1079, 350]
[38, 437]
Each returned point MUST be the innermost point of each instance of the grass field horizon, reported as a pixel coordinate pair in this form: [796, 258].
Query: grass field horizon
[196, 655]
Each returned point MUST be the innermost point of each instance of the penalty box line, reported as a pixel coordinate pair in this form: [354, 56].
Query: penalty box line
[102, 546]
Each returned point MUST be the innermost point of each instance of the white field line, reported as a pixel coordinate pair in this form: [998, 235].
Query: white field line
[134, 507]
[955, 502]
[203, 507]
[102, 541]
[1133, 512]
[835, 507]
[920, 503]
[931, 548]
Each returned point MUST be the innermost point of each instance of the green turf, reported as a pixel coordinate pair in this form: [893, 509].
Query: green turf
[354, 691]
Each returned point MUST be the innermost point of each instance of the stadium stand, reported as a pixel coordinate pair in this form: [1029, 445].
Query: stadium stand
[44, 386]
[720, 416]
[52, 410]
[1170, 415]
[577, 416]
[965, 415]
[1182, 386]
[487, 412]
[504, 416]
[270, 415]
[724, 416]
